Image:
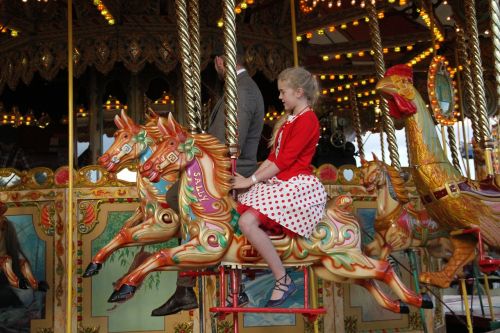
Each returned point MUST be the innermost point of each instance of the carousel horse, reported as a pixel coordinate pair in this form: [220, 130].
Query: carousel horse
[398, 225]
[13, 262]
[453, 201]
[209, 226]
[153, 221]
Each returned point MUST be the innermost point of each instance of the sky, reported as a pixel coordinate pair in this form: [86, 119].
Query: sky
[372, 144]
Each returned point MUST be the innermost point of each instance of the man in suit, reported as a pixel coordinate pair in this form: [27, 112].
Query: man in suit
[250, 109]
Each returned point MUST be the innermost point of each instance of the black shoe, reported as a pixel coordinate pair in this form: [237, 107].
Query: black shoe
[23, 283]
[242, 300]
[287, 289]
[184, 298]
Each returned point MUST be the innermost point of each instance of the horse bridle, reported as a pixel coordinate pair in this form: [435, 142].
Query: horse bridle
[379, 174]
[125, 149]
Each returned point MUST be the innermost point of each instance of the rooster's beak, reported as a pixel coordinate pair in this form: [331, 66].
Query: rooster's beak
[386, 86]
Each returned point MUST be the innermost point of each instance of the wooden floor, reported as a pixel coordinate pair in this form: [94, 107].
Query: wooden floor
[481, 318]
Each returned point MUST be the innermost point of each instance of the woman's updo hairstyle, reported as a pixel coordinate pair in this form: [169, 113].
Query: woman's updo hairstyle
[298, 77]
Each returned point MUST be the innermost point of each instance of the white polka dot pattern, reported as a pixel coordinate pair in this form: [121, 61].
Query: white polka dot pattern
[297, 204]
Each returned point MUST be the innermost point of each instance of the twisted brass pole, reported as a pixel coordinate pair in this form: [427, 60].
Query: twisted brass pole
[357, 123]
[378, 56]
[452, 141]
[382, 138]
[185, 50]
[461, 95]
[495, 35]
[230, 92]
[466, 77]
[194, 32]
[477, 71]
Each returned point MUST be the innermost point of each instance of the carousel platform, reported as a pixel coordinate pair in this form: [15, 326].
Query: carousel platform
[481, 315]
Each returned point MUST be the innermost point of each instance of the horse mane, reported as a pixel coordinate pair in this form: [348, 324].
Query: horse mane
[219, 154]
[398, 184]
[151, 127]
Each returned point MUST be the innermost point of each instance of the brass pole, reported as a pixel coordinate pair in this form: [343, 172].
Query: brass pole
[70, 228]
[230, 91]
[443, 138]
[313, 291]
[460, 105]
[194, 34]
[378, 56]
[466, 306]
[453, 147]
[488, 295]
[185, 50]
[469, 91]
[357, 123]
[381, 119]
[294, 34]
[495, 35]
[477, 72]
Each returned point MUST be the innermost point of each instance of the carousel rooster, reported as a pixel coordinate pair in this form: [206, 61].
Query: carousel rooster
[455, 202]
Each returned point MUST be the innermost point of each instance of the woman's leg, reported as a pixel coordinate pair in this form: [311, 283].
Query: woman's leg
[249, 225]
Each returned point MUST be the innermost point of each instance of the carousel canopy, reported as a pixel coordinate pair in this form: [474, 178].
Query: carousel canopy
[334, 40]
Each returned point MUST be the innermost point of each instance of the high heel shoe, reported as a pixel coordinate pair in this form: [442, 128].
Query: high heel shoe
[281, 285]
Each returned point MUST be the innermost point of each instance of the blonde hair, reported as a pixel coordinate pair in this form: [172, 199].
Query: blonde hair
[296, 77]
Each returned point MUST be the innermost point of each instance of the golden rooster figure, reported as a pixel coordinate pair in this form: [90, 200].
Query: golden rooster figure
[452, 200]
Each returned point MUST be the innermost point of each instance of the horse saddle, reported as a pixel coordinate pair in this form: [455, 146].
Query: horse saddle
[485, 190]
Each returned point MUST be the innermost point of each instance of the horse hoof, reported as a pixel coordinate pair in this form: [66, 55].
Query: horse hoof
[426, 302]
[124, 293]
[23, 284]
[403, 307]
[92, 269]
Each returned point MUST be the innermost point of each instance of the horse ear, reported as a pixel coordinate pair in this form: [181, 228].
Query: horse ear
[375, 158]
[364, 162]
[151, 114]
[162, 128]
[174, 127]
[127, 120]
[118, 122]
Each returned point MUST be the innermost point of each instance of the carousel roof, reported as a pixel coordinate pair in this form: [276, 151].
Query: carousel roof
[333, 38]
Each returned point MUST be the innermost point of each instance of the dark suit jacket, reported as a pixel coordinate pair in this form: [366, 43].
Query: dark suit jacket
[250, 122]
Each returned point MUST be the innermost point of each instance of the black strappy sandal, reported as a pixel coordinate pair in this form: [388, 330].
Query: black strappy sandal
[281, 285]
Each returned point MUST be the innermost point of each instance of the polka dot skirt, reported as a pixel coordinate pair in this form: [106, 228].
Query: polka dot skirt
[296, 204]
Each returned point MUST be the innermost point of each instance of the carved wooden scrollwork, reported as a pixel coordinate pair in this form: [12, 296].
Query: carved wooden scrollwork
[133, 50]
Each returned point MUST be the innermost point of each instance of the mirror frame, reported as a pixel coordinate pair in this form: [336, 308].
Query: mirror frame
[439, 65]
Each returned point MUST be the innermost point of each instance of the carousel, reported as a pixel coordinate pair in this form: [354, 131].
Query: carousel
[105, 108]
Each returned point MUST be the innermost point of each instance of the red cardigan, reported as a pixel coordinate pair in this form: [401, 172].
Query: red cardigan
[294, 152]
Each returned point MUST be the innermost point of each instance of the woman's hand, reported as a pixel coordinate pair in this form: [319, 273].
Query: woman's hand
[241, 182]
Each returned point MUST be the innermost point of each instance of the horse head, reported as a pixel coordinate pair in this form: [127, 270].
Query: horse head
[372, 174]
[174, 150]
[131, 140]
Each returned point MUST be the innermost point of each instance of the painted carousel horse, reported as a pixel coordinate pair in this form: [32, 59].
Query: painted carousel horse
[452, 200]
[398, 225]
[13, 262]
[153, 221]
[209, 226]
